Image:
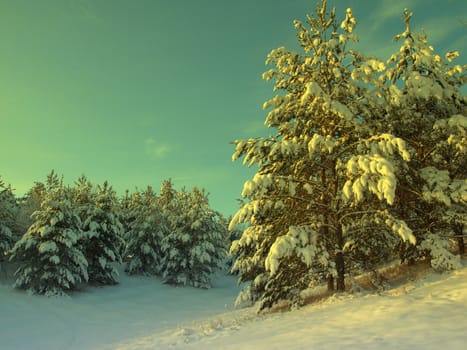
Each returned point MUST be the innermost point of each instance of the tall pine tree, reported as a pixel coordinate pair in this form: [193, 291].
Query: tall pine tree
[326, 177]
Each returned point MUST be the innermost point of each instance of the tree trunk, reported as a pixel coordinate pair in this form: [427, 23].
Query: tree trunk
[340, 282]
[340, 267]
[460, 239]
[330, 279]
[461, 244]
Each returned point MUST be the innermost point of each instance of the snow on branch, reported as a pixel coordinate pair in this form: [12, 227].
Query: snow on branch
[301, 241]
[455, 129]
[319, 143]
[348, 24]
[441, 188]
[367, 70]
[441, 259]
[399, 227]
[375, 171]
[375, 174]
[313, 91]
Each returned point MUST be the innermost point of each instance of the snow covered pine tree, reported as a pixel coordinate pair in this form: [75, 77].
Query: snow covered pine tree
[103, 232]
[196, 243]
[29, 204]
[49, 255]
[326, 178]
[145, 234]
[8, 209]
[426, 108]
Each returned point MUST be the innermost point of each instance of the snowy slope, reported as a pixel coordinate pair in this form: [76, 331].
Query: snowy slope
[141, 313]
[427, 314]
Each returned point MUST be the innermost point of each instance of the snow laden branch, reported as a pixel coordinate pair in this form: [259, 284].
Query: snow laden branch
[374, 172]
[299, 241]
[399, 227]
[314, 95]
[454, 130]
[439, 249]
[440, 187]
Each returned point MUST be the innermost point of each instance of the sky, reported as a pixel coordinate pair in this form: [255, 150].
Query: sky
[139, 91]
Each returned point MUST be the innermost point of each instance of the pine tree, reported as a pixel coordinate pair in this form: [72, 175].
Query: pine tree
[209, 250]
[145, 234]
[82, 194]
[177, 242]
[167, 196]
[326, 178]
[426, 108]
[103, 232]
[29, 204]
[234, 234]
[127, 217]
[195, 245]
[8, 210]
[49, 256]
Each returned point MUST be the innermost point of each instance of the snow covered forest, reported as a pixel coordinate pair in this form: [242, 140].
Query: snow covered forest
[82, 233]
[365, 167]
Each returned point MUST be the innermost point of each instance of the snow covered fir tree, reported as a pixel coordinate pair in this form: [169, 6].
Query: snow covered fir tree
[195, 246]
[336, 188]
[103, 235]
[27, 205]
[49, 254]
[145, 234]
[80, 234]
[175, 235]
[8, 212]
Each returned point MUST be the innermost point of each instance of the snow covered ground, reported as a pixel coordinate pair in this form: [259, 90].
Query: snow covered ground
[142, 313]
[102, 316]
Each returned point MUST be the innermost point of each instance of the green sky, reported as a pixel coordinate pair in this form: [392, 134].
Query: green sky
[137, 91]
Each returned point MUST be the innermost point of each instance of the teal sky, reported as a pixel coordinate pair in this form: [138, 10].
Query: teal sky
[137, 91]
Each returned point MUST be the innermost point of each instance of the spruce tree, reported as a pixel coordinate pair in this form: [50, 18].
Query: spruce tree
[49, 256]
[326, 178]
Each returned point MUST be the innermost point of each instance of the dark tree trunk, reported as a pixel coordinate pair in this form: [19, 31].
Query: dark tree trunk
[460, 239]
[461, 244]
[340, 282]
[340, 267]
[330, 280]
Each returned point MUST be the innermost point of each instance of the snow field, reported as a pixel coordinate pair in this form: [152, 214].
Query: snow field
[142, 313]
[101, 316]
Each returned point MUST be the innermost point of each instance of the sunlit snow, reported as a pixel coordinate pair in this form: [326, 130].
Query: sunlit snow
[141, 313]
